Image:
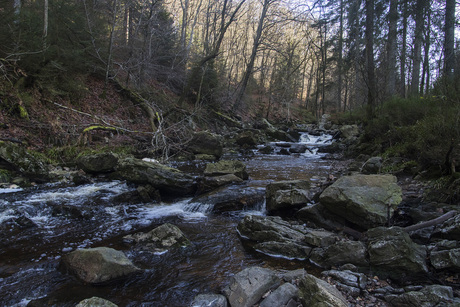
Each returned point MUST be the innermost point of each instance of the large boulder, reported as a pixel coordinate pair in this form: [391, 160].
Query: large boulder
[98, 265]
[433, 295]
[247, 287]
[98, 163]
[278, 238]
[247, 138]
[205, 143]
[95, 302]
[287, 195]
[392, 253]
[364, 200]
[167, 180]
[269, 228]
[315, 292]
[318, 216]
[18, 159]
[158, 240]
[446, 259]
[285, 295]
[339, 253]
[449, 230]
[225, 167]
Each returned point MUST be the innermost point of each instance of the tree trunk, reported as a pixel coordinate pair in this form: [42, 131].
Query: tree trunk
[371, 87]
[404, 51]
[255, 48]
[426, 60]
[111, 39]
[449, 55]
[392, 39]
[418, 38]
[339, 59]
[45, 22]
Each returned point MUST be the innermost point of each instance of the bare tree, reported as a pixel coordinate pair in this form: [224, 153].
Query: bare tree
[392, 47]
[417, 52]
[449, 33]
[255, 49]
[371, 86]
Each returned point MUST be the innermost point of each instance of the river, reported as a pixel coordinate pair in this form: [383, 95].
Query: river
[42, 223]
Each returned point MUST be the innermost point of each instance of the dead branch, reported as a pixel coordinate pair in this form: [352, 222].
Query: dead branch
[109, 125]
[432, 222]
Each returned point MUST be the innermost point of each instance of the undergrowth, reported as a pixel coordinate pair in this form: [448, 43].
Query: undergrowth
[425, 130]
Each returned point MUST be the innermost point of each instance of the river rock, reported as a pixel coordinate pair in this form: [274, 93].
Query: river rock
[285, 195]
[315, 292]
[167, 180]
[210, 183]
[160, 239]
[95, 302]
[231, 198]
[279, 135]
[17, 158]
[205, 143]
[298, 148]
[247, 138]
[209, 300]
[288, 250]
[364, 200]
[247, 287]
[446, 259]
[266, 150]
[342, 252]
[269, 228]
[225, 167]
[98, 163]
[98, 265]
[317, 215]
[349, 132]
[433, 295]
[278, 238]
[449, 230]
[293, 276]
[372, 165]
[349, 278]
[392, 253]
[285, 295]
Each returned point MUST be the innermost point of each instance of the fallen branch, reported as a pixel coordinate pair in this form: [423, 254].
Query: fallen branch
[432, 222]
[107, 124]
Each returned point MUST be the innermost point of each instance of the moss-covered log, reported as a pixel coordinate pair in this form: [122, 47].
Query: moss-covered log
[137, 99]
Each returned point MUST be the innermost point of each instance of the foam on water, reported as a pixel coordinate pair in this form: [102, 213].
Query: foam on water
[75, 194]
[184, 209]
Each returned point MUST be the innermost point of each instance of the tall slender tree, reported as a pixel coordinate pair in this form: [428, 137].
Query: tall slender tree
[392, 47]
[371, 85]
[449, 33]
[417, 51]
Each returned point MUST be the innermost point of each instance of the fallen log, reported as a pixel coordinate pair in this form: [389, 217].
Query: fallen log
[433, 222]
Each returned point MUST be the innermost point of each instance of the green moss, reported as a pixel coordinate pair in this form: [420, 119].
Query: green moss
[99, 128]
[69, 154]
[5, 176]
[22, 112]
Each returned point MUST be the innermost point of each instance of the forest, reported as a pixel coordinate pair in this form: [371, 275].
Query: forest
[279, 60]
[229, 153]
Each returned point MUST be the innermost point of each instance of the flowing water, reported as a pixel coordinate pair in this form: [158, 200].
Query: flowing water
[40, 224]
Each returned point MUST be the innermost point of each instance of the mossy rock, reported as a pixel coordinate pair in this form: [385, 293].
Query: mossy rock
[17, 158]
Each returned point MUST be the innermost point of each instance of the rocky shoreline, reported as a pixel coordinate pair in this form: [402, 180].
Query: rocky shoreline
[355, 229]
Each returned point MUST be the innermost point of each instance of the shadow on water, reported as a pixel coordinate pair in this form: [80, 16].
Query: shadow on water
[41, 224]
